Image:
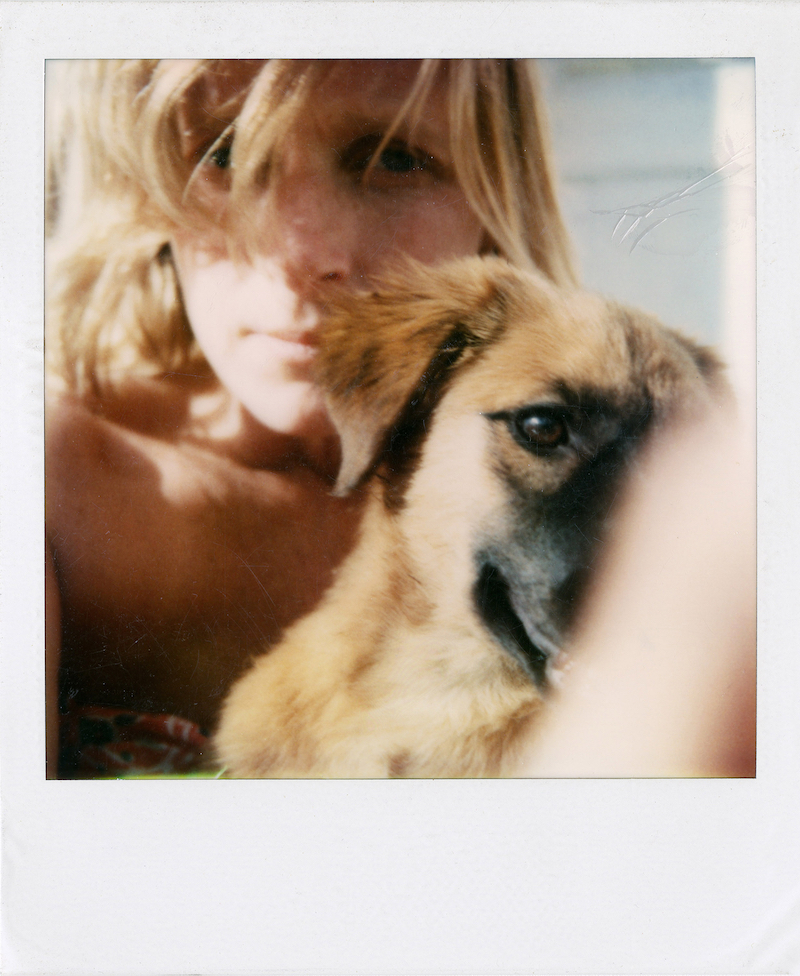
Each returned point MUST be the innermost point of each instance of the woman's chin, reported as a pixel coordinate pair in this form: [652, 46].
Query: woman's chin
[298, 411]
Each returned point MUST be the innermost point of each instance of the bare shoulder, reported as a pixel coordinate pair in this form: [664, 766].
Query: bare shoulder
[121, 505]
[70, 428]
[90, 458]
[80, 429]
[125, 450]
[142, 520]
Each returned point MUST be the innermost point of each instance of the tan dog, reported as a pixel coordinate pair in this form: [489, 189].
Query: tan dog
[492, 417]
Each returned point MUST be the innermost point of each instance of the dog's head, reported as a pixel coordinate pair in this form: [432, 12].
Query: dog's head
[497, 416]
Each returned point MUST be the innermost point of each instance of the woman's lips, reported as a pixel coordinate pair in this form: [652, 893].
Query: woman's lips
[299, 347]
[302, 337]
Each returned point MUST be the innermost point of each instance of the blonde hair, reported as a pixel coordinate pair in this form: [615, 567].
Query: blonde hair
[117, 188]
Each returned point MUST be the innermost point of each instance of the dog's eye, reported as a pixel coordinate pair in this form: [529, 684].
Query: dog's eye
[543, 429]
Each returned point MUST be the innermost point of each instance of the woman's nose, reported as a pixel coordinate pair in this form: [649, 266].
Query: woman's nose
[314, 228]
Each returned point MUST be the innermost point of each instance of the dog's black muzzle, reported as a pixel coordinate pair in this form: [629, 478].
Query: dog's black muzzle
[498, 610]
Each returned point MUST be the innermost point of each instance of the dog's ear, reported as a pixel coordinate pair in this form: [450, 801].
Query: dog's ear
[386, 354]
[681, 378]
[708, 362]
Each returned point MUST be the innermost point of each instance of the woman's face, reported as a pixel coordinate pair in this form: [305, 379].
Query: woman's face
[321, 228]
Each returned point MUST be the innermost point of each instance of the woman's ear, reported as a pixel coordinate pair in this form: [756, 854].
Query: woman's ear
[385, 356]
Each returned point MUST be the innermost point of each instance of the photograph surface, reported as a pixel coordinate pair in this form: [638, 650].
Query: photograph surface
[360, 374]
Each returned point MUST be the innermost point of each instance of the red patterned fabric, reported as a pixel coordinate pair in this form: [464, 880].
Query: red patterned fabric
[98, 742]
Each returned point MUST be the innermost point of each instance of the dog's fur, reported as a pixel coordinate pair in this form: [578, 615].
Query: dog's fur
[491, 418]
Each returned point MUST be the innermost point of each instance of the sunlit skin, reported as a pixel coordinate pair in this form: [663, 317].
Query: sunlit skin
[192, 519]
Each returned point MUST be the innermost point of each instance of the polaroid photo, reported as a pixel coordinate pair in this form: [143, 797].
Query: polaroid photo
[284, 568]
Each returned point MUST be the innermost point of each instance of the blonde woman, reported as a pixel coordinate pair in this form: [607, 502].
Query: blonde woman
[200, 215]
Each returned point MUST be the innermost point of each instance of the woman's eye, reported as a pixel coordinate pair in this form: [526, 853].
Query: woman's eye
[543, 429]
[395, 159]
[221, 156]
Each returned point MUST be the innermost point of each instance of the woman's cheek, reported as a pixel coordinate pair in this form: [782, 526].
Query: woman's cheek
[439, 228]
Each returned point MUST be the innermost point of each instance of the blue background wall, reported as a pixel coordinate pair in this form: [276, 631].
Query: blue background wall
[655, 173]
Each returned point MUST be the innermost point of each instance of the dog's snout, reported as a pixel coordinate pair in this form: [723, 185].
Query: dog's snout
[495, 608]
